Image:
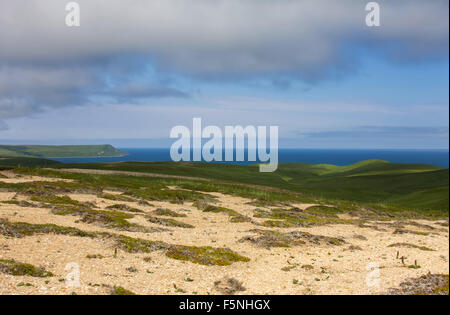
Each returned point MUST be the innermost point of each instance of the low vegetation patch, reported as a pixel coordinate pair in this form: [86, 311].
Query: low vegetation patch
[20, 203]
[12, 267]
[167, 212]
[235, 217]
[360, 237]
[409, 245]
[201, 204]
[108, 219]
[94, 256]
[118, 290]
[137, 245]
[199, 255]
[22, 229]
[228, 286]
[307, 267]
[160, 192]
[262, 196]
[353, 248]
[63, 205]
[420, 225]
[278, 224]
[49, 189]
[116, 197]
[264, 203]
[429, 284]
[131, 269]
[224, 210]
[61, 201]
[205, 255]
[295, 217]
[169, 222]
[240, 219]
[406, 231]
[270, 239]
[124, 207]
[325, 211]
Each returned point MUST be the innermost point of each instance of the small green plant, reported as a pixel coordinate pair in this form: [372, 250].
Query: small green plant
[24, 284]
[132, 269]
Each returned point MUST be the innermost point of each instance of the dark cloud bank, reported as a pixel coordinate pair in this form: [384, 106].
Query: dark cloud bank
[44, 64]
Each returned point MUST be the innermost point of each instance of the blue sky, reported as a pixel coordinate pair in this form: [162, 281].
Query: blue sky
[313, 68]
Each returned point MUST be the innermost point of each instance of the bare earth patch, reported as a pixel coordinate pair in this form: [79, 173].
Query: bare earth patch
[12, 178]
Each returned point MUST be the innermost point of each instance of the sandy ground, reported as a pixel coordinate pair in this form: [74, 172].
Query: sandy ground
[13, 178]
[318, 269]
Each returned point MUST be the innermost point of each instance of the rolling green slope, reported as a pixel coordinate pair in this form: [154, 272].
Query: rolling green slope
[50, 151]
[26, 162]
[5, 152]
[412, 186]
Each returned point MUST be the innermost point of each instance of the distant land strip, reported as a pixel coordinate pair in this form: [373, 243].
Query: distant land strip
[60, 151]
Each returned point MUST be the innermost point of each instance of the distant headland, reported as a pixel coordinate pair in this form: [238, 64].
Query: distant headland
[60, 151]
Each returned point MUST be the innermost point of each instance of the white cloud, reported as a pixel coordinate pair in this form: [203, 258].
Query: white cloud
[45, 64]
[224, 37]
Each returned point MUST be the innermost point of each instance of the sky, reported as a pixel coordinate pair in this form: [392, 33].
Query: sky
[135, 69]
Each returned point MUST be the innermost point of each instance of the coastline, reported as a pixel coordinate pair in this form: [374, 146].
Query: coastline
[310, 156]
[83, 157]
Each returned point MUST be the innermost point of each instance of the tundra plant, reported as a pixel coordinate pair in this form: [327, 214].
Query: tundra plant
[213, 149]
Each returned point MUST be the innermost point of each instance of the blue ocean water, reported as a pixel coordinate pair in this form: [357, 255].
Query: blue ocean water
[313, 156]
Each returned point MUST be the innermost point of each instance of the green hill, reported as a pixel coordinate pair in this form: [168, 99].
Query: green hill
[59, 151]
[390, 186]
[26, 162]
[412, 186]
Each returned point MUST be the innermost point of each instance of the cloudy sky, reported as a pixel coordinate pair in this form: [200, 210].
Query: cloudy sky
[136, 68]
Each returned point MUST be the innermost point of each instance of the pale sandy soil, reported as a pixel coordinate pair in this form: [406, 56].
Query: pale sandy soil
[13, 178]
[335, 269]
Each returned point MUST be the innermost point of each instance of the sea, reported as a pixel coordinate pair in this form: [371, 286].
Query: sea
[312, 156]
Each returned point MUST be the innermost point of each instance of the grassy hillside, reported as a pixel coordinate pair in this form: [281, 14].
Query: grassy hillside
[51, 151]
[26, 162]
[412, 186]
[5, 152]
